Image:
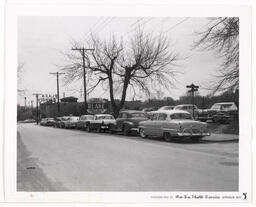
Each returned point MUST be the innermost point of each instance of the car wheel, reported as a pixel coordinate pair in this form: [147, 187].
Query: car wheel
[125, 131]
[196, 139]
[98, 130]
[168, 137]
[89, 129]
[142, 133]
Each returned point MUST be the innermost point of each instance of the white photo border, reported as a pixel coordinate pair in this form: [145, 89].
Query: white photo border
[13, 11]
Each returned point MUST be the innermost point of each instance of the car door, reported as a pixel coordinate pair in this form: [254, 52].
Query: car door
[120, 120]
[160, 124]
[150, 128]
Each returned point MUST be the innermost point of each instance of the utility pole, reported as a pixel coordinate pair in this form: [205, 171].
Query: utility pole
[58, 93]
[25, 102]
[82, 51]
[31, 104]
[37, 111]
[192, 90]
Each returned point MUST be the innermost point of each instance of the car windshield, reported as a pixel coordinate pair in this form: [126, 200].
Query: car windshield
[226, 106]
[105, 117]
[178, 107]
[166, 108]
[86, 117]
[140, 115]
[181, 116]
[216, 106]
[73, 118]
[50, 119]
[64, 118]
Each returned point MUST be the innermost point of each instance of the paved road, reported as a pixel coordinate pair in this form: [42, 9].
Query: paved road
[51, 159]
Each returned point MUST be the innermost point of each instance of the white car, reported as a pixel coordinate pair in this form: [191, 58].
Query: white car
[72, 121]
[173, 124]
[101, 122]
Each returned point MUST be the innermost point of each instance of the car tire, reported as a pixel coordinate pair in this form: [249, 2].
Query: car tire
[98, 129]
[142, 133]
[126, 131]
[89, 129]
[196, 139]
[167, 137]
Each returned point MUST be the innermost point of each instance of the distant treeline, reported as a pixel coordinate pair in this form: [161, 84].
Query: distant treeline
[202, 102]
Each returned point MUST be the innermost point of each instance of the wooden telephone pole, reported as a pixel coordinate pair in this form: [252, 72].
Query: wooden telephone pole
[37, 110]
[58, 92]
[82, 51]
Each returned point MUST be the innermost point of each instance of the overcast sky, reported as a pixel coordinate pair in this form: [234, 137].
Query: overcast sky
[40, 40]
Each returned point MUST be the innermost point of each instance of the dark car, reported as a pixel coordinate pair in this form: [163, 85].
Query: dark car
[128, 121]
[219, 112]
[57, 122]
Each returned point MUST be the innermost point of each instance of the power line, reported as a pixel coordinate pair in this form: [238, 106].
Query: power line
[100, 27]
[95, 26]
[180, 22]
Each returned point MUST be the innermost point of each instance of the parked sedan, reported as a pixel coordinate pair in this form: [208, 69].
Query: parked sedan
[63, 122]
[128, 121]
[84, 121]
[101, 122]
[163, 108]
[71, 122]
[47, 122]
[188, 108]
[174, 124]
[222, 112]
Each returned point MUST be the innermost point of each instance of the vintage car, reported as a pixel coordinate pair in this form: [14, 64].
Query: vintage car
[219, 112]
[188, 108]
[29, 121]
[163, 108]
[101, 122]
[84, 121]
[57, 121]
[63, 122]
[71, 122]
[47, 122]
[128, 121]
[173, 124]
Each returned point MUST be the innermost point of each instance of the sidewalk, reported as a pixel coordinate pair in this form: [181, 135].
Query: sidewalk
[222, 137]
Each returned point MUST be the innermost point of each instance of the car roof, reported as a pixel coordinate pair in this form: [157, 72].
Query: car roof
[225, 103]
[132, 111]
[170, 111]
[103, 115]
[185, 105]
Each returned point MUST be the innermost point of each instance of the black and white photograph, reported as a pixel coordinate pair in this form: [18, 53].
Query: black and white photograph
[110, 103]
[128, 104]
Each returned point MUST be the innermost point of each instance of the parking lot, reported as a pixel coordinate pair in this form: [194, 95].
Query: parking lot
[54, 159]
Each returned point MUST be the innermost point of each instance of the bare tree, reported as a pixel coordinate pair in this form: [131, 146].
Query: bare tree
[222, 35]
[143, 61]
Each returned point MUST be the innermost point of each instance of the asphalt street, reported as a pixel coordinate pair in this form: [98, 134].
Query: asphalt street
[52, 159]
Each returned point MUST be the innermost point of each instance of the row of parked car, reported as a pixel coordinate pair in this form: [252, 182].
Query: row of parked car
[218, 113]
[169, 124]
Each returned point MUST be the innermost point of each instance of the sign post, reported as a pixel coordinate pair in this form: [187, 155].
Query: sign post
[192, 90]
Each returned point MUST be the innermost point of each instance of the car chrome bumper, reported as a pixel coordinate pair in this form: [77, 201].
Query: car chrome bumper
[186, 134]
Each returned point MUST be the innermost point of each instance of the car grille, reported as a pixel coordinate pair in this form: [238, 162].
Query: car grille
[195, 131]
